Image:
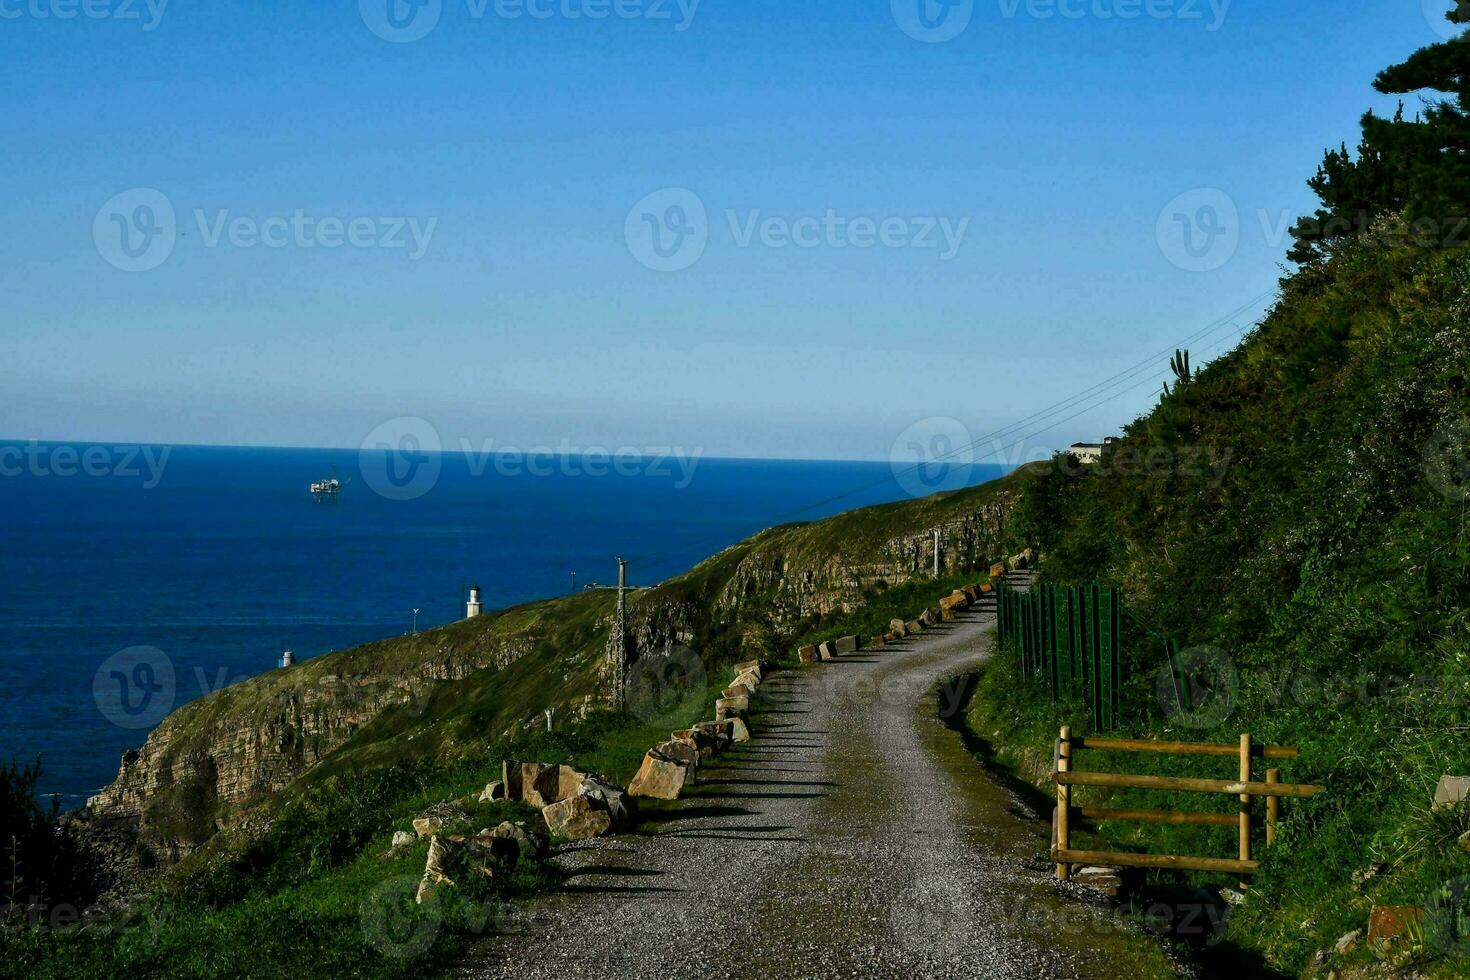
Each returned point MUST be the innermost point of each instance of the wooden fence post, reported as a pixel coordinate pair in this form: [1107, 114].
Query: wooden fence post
[1064, 800]
[1273, 807]
[1245, 801]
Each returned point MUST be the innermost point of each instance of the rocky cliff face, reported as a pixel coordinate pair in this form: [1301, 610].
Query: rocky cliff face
[210, 760]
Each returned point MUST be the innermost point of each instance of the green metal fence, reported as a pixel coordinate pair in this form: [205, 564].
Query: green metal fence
[1068, 637]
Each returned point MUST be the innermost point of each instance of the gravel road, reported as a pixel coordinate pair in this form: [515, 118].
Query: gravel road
[854, 836]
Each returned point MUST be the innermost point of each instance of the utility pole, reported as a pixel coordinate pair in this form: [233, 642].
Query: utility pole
[619, 645]
[936, 552]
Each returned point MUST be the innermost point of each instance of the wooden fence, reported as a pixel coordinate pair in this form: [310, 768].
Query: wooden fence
[1273, 790]
[1069, 638]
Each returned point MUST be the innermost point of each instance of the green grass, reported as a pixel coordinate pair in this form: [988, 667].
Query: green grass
[1329, 565]
[319, 892]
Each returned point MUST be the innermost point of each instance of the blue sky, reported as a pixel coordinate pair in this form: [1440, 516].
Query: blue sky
[520, 147]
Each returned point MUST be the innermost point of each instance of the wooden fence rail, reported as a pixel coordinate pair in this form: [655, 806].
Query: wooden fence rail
[1245, 788]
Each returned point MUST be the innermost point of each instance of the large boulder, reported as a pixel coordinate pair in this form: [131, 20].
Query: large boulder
[577, 818]
[528, 845]
[827, 650]
[912, 627]
[540, 783]
[492, 792]
[1390, 928]
[738, 730]
[749, 678]
[680, 752]
[717, 731]
[702, 741]
[848, 644]
[428, 826]
[897, 628]
[998, 570]
[403, 838]
[738, 691]
[751, 666]
[808, 654]
[1451, 791]
[660, 777]
[731, 708]
[953, 601]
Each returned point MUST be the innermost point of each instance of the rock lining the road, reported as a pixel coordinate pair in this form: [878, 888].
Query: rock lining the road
[854, 836]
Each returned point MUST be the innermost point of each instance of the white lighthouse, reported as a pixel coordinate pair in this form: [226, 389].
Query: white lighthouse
[288, 658]
[472, 608]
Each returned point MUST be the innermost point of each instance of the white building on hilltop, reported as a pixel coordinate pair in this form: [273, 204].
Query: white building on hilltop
[1090, 452]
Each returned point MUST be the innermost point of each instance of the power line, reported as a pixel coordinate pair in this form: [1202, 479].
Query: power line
[1107, 384]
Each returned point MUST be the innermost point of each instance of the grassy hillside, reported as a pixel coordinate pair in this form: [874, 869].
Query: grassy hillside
[281, 794]
[1321, 577]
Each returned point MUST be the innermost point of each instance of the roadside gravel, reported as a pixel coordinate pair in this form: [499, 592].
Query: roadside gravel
[854, 837]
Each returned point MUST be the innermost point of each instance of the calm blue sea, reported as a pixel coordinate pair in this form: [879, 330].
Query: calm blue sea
[133, 579]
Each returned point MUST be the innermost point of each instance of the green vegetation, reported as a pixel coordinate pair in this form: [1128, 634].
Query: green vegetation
[1415, 168]
[1317, 582]
[904, 602]
[322, 892]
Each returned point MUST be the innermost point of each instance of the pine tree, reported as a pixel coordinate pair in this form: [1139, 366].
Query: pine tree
[1419, 167]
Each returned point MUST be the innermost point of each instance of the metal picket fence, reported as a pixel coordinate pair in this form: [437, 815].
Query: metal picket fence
[1068, 637]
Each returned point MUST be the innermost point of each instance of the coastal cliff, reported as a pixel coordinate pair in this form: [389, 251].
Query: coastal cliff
[238, 752]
